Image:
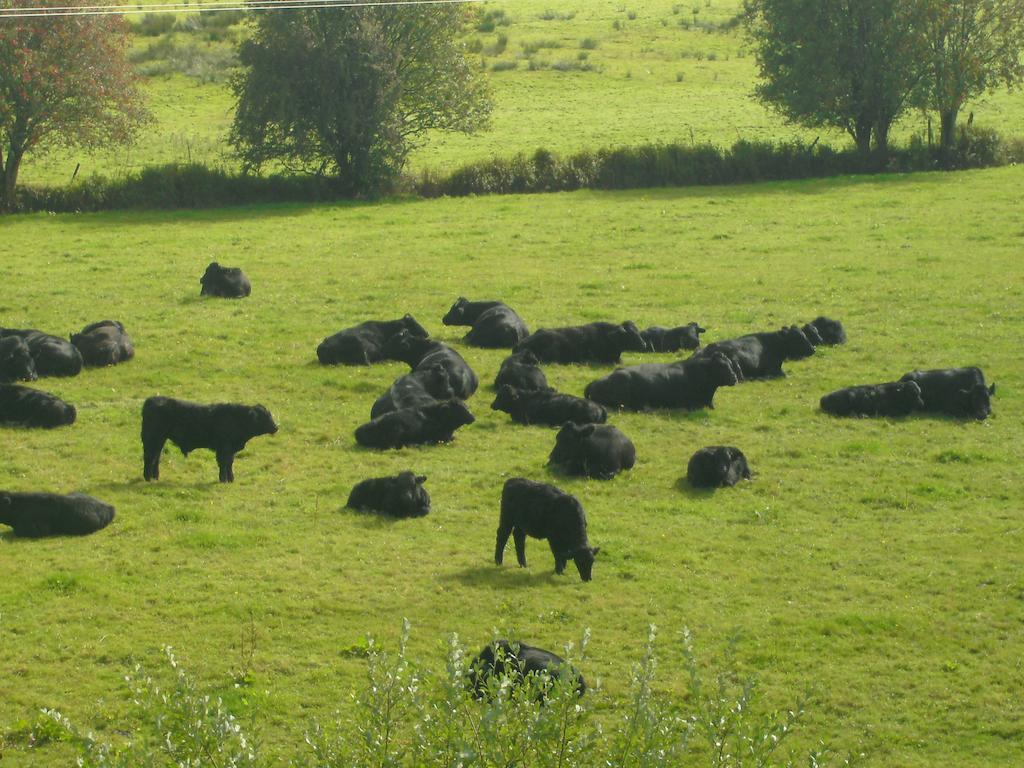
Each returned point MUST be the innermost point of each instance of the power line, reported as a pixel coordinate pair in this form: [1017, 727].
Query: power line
[211, 7]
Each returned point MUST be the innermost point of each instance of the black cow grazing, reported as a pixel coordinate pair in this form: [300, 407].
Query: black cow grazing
[689, 384]
[823, 330]
[364, 343]
[34, 515]
[415, 426]
[226, 282]
[400, 496]
[52, 356]
[27, 407]
[495, 324]
[592, 343]
[891, 399]
[224, 428]
[419, 353]
[517, 663]
[16, 362]
[522, 371]
[416, 389]
[592, 450]
[544, 512]
[103, 343]
[546, 406]
[959, 392]
[761, 355]
[672, 339]
[719, 466]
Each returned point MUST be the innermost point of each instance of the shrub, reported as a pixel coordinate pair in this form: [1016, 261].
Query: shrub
[504, 65]
[588, 43]
[153, 24]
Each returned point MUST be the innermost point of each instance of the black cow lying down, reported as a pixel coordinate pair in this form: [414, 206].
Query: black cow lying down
[518, 662]
[761, 355]
[891, 399]
[823, 330]
[495, 324]
[420, 353]
[364, 343]
[225, 282]
[400, 496]
[689, 384]
[522, 371]
[103, 343]
[959, 392]
[415, 426]
[413, 390]
[592, 343]
[27, 407]
[16, 362]
[224, 428]
[34, 515]
[593, 450]
[548, 407]
[672, 339]
[52, 356]
[544, 512]
[718, 466]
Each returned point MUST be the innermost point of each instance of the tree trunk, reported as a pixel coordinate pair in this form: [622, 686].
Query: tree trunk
[862, 136]
[947, 135]
[882, 140]
[10, 171]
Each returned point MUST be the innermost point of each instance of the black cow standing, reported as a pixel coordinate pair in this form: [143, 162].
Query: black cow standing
[225, 282]
[103, 343]
[419, 354]
[548, 407]
[672, 339]
[517, 662]
[592, 343]
[890, 399]
[16, 363]
[415, 426]
[52, 356]
[761, 355]
[544, 512]
[689, 384]
[223, 428]
[600, 451]
[33, 515]
[495, 324]
[522, 371]
[27, 407]
[364, 343]
[400, 496]
[959, 392]
[718, 466]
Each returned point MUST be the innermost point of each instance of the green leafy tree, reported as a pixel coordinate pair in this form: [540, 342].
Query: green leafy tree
[972, 47]
[847, 64]
[351, 91]
[63, 81]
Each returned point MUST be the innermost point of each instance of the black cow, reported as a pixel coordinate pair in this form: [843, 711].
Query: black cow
[103, 343]
[959, 392]
[34, 515]
[52, 356]
[415, 426]
[689, 384]
[823, 330]
[495, 324]
[16, 362]
[420, 353]
[546, 406]
[364, 343]
[224, 428]
[518, 662]
[522, 371]
[544, 512]
[719, 466]
[761, 355]
[226, 282]
[400, 496]
[891, 399]
[672, 339]
[27, 407]
[416, 389]
[593, 450]
[592, 343]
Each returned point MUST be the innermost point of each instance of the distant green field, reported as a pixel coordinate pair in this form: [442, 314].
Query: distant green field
[875, 562]
[649, 79]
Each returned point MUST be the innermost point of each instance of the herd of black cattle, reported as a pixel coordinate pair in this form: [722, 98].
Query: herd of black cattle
[427, 405]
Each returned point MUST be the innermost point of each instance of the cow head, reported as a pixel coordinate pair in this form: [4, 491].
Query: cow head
[629, 339]
[584, 559]
[16, 363]
[436, 382]
[910, 397]
[213, 271]
[414, 328]
[411, 498]
[261, 422]
[506, 400]
[978, 400]
[689, 336]
[811, 332]
[526, 357]
[457, 314]
[456, 412]
[795, 343]
[723, 372]
[68, 415]
[829, 331]
[401, 346]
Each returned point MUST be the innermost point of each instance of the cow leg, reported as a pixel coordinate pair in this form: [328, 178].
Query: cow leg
[225, 460]
[560, 560]
[519, 535]
[504, 531]
[151, 450]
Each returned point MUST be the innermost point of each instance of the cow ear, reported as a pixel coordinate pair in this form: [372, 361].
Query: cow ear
[701, 330]
[992, 389]
[595, 550]
[421, 479]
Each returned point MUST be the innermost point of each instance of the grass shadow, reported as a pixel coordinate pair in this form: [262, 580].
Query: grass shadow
[507, 576]
[683, 485]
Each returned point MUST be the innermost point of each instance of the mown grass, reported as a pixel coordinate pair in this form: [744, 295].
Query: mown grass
[875, 562]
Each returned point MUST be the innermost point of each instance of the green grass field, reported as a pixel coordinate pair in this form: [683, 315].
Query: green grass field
[875, 562]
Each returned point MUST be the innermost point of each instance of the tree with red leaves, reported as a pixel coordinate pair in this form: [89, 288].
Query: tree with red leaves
[64, 80]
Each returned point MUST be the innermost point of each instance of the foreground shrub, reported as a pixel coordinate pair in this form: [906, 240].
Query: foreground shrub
[405, 715]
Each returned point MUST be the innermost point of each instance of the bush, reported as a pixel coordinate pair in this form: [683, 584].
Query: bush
[153, 24]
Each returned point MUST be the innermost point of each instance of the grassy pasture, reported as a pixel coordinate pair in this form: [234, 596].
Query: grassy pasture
[875, 562]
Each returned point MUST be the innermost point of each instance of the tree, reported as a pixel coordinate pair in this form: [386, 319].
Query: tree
[972, 47]
[63, 80]
[847, 64]
[351, 91]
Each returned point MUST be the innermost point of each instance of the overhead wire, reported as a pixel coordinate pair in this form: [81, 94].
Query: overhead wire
[209, 7]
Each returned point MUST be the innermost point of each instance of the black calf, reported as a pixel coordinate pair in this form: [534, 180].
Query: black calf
[718, 466]
[400, 496]
[34, 515]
